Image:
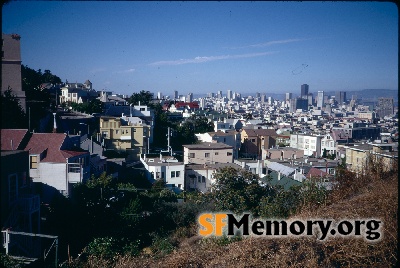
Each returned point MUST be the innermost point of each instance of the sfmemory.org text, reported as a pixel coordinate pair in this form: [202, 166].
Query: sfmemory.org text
[218, 224]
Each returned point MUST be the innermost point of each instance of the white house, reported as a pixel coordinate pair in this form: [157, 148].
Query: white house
[328, 144]
[54, 163]
[166, 168]
[309, 143]
[201, 176]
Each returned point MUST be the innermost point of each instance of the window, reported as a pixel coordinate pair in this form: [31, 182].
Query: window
[142, 109]
[117, 131]
[105, 134]
[178, 174]
[191, 155]
[198, 178]
[207, 155]
[216, 153]
[228, 153]
[203, 179]
[253, 140]
[33, 162]
[172, 174]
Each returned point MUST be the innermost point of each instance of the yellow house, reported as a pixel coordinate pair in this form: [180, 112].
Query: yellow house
[125, 135]
[357, 156]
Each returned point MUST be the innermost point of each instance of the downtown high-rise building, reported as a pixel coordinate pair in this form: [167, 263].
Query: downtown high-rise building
[304, 91]
[189, 97]
[288, 96]
[229, 94]
[159, 95]
[385, 107]
[320, 99]
[219, 94]
[176, 96]
[340, 97]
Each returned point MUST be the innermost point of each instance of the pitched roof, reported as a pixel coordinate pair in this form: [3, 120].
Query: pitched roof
[260, 132]
[315, 172]
[50, 145]
[12, 135]
[208, 146]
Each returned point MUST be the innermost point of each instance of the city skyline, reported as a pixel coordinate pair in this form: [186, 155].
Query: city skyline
[201, 47]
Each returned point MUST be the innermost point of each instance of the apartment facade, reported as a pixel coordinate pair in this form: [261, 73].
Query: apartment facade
[311, 145]
[121, 135]
[207, 152]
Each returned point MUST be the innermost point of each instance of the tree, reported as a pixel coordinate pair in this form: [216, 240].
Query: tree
[144, 97]
[12, 114]
[239, 190]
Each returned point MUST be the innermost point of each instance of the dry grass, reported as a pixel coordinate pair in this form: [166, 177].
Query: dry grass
[374, 196]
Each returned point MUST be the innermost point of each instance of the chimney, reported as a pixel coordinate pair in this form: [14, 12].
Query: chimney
[54, 124]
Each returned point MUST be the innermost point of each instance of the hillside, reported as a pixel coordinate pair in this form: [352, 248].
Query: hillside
[370, 197]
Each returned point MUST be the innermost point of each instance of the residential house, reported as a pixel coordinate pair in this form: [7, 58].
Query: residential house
[328, 145]
[122, 135]
[200, 177]
[255, 140]
[254, 166]
[207, 152]
[20, 208]
[357, 156]
[310, 144]
[229, 137]
[77, 92]
[282, 152]
[166, 168]
[55, 164]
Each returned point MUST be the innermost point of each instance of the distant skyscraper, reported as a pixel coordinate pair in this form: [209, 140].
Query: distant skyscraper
[263, 97]
[258, 95]
[229, 94]
[189, 97]
[176, 96]
[340, 97]
[288, 96]
[320, 99]
[202, 103]
[304, 91]
[310, 99]
[302, 104]
[219, 94]
[385, 107]
[159, 95]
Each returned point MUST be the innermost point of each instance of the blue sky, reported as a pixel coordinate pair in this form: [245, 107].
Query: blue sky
[203, 47]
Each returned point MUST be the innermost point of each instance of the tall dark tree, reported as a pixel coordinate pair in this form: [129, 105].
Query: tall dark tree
[38, 100]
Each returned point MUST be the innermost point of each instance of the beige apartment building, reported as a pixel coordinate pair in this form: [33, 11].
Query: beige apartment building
[357, 156]
[122, 135]
[207, 152]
